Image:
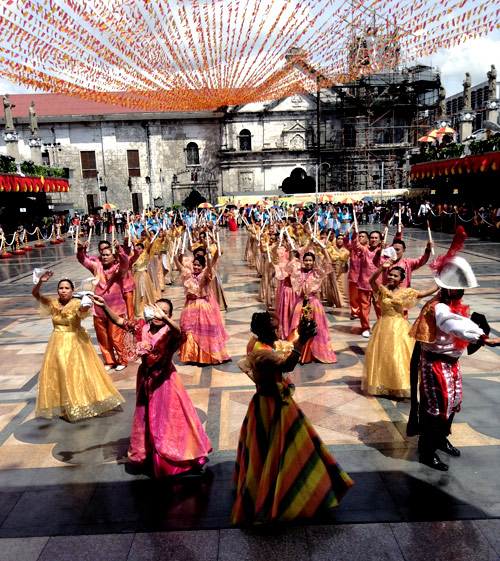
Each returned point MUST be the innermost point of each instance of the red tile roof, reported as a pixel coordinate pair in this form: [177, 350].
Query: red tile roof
[59, 104]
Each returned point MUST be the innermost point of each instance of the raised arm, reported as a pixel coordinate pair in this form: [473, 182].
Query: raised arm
[306, 331]
[428, 292]
[83, 258]
[36, 289]
[373, 279]
[160, 314]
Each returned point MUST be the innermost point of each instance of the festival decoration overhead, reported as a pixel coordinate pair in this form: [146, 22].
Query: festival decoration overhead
[166, 55]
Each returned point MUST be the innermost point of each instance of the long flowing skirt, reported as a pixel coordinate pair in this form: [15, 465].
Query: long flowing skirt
[73, 382]
[159, 273]
[285, 306]
[145, 293]
[166, 427]
[283, 470]
[320, 346]
[216, 286]
[206, 336]
[387, 359]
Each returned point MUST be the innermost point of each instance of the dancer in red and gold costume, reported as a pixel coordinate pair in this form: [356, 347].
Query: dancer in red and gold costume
[444, 330]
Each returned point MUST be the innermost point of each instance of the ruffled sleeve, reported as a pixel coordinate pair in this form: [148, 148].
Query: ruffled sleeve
[47, 306]
[382, 291]
[409, 297]
[185, 274]
[206, 277]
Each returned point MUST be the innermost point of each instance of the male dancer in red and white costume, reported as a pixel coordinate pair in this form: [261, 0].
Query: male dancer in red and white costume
[444, 331]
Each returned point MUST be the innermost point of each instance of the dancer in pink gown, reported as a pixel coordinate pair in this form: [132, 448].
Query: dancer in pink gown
[201, 319]
[166, 428]
[285, 296]
[307, 281]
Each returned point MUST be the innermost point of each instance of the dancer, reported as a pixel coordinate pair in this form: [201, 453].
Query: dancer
[444, 330]
[283, 470]
[307, 281]
[285, 296]
[336, 283]
[369, 256]
[128, 285]
[200, 319]
[407, 264]
[354, 268]
[109, 274]
[73, 383]
[388, 354]
[145, 293]
[166, 429]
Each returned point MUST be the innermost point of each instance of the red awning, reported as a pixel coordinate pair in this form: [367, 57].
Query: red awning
[19, 184]
[484, 162]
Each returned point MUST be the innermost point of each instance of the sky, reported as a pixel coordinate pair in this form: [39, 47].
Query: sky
[474, 56]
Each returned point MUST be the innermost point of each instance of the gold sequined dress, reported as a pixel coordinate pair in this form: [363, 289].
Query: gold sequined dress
[72, 382]
[388, 354]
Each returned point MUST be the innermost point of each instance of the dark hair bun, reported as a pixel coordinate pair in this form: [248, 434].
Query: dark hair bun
[261, 324]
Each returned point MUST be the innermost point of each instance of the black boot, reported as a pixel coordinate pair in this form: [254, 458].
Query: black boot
[427, 450]
[446, 446]
[433, 461]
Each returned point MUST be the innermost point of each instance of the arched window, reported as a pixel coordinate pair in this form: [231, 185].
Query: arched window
[245, 140]
[192, 154]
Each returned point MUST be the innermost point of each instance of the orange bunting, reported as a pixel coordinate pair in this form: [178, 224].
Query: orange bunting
[172, 55]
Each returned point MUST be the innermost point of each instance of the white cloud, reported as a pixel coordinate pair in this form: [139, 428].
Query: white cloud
[8, 87]
[473, 56]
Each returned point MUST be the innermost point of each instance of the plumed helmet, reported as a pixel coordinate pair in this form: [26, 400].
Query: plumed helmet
[456, 274]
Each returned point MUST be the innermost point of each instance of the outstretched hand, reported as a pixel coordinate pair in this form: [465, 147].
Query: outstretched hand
[97, 300]
[492, 342]
[159, 313]
[388, 263]
[46, 276]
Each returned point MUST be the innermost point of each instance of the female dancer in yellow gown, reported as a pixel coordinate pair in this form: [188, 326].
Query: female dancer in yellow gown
[73, 382]
[388, 355]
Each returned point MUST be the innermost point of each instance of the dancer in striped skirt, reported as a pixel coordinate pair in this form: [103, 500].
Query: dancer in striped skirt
[283, 470]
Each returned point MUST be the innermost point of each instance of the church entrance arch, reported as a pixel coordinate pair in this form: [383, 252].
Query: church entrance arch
[298, 182]
[197, 179]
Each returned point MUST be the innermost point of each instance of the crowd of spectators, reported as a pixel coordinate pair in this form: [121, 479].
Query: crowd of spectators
[479, 219]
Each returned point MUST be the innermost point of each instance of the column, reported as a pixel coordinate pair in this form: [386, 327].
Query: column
[11, 139]
[35, 145]
[466, 119]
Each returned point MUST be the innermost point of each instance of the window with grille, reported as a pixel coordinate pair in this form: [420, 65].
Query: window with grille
[192, 154]
[89, 168]
[245, 140]
[134, 168]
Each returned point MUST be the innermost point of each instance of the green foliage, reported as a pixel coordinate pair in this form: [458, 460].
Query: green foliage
[482, 146]
[451, 152]
[7, 166]
[29, 168]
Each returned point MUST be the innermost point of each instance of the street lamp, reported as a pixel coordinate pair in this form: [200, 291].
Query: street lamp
[317, 177]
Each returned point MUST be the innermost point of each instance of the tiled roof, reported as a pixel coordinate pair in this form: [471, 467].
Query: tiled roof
[58, 104]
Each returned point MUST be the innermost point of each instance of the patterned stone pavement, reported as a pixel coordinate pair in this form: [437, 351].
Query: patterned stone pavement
[58, 478]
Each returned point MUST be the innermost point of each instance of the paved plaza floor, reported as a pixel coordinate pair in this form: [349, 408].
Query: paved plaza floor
[68, 492]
